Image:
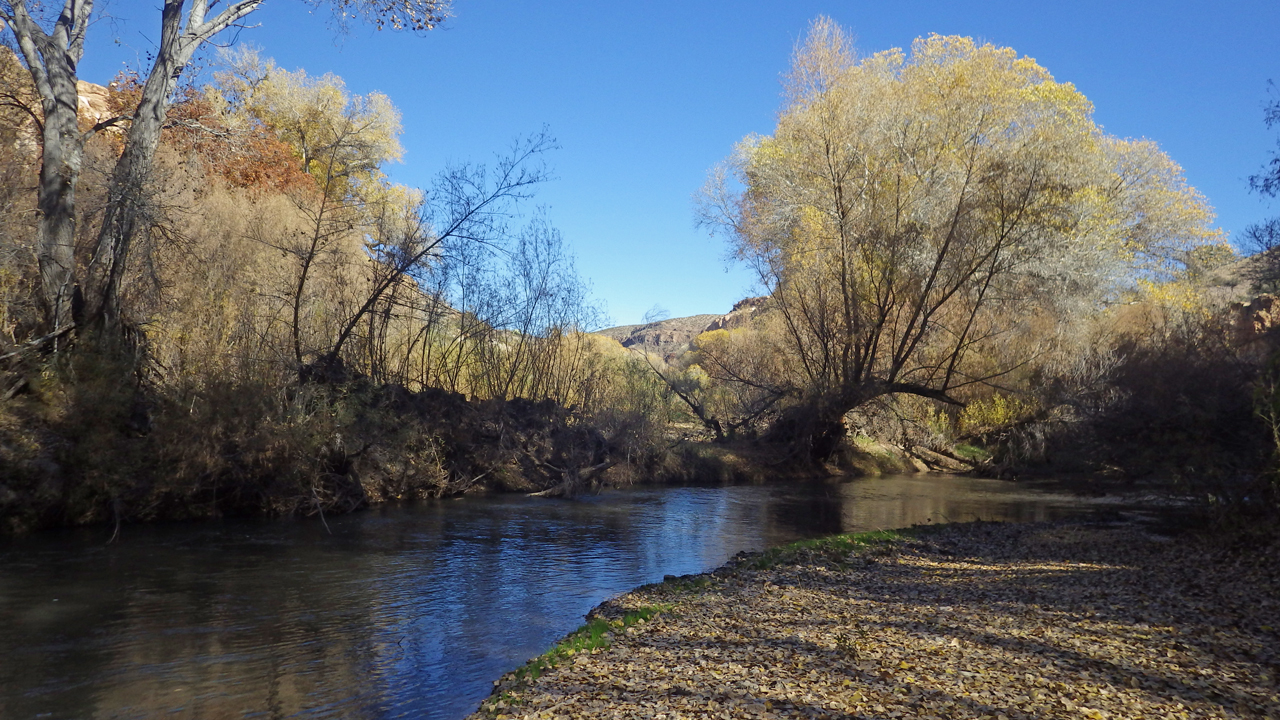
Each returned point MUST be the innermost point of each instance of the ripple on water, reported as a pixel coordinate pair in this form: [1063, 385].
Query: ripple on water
[399, 611]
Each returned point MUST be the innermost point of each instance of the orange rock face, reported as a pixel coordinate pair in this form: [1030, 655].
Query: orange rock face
[93, 106]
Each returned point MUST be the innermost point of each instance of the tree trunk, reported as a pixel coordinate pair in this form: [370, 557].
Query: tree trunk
[815, 428]
[56, 197]
[51, 59]
[127, 217]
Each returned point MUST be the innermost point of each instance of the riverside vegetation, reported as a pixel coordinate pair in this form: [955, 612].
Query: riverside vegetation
[224, 306]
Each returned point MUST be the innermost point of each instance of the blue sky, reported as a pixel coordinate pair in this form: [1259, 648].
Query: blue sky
[644, 98]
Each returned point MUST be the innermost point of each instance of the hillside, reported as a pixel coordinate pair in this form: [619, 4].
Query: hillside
[662, 337]
[672, 336]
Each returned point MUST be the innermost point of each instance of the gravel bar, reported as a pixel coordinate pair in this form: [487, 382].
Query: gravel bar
[1057, 620]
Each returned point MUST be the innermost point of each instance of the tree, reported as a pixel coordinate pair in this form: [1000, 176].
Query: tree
[339, 138]
[52, 57]
[468, 204]
[909, 212]
[341, 141]
[1265, 236]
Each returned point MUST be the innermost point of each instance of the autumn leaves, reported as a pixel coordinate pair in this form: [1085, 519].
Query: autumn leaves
[978, 621]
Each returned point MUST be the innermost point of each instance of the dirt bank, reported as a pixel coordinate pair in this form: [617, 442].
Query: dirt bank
[968, 621]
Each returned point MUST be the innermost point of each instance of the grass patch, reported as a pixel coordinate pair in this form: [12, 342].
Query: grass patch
[834, 548]
[972, 453]
[596, 634]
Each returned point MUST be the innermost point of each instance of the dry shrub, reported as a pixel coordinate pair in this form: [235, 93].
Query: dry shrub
[206, 406]
[1153, 390]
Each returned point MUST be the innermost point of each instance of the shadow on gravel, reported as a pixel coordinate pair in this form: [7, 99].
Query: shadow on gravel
[1101, 620]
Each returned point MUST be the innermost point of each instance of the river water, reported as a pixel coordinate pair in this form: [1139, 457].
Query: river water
[408, 611]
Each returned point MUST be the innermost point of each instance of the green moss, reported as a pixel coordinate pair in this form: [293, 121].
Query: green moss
[596, 634]
[834, 548]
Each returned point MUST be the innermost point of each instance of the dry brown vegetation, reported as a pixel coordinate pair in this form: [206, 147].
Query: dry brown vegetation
[1104, 620]
[296, 333]
[288, 330]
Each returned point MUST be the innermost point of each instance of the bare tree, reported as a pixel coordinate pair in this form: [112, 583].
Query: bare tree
[1264, 237]
[468, 205]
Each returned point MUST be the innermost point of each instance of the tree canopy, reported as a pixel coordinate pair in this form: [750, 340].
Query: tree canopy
[913, 209]
[52, 46]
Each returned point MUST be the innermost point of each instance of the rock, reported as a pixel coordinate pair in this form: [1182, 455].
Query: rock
[743, 312]
[672, 337]
[664, 337]
[94, 103]
[1252, 324]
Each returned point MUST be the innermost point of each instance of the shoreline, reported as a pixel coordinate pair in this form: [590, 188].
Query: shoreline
[1089, 619]
[692, 463]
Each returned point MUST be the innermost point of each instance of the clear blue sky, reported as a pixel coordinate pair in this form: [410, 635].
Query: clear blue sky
[645, 97]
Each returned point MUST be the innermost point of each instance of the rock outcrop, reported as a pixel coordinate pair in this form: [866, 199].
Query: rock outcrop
[1252, 324]
[94, 106]
[743, 312]
[673, 336]
[665, 337]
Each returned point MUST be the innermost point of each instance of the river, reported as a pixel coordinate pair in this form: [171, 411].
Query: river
[399, 611]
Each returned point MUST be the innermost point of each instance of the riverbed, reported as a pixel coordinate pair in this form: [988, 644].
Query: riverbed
[407, 611]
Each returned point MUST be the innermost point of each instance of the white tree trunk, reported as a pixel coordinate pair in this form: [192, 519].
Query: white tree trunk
[52, 58]
[127, 218]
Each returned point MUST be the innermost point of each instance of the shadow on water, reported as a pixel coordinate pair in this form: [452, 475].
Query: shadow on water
[399, 611]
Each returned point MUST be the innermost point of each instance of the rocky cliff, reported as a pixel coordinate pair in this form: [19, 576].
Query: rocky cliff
[93, 102]
[673, 336]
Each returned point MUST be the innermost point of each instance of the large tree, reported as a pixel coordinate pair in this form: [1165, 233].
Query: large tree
[909, 210]
[52, 48]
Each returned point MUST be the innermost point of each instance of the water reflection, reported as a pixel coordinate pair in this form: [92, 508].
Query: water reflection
[400, 612]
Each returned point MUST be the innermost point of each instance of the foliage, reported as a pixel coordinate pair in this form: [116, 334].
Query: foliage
[245, 155]
[343, 139]
[992, 413]
[835, 549]
[19, 115]
[90, 297]
[309, 336]
[1267, 182]
[1264, 237]
[747, 369]
[911, 213]
[972, 453]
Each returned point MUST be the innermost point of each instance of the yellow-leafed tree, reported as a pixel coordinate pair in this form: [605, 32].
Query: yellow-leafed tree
[910, 211]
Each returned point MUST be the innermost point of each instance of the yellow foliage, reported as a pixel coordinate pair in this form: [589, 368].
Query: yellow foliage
[999, 410]
[1179, 295]
[912, 207]
[341, 139]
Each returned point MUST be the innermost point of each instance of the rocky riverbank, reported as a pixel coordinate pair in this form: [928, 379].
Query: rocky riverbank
[1065, 620]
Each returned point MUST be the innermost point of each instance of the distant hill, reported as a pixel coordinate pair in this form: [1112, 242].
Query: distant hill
[672, 336]
[1245, 278]
[663, 337]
